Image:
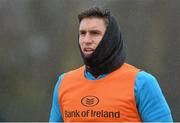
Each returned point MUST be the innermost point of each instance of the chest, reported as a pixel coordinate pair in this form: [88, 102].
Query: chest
[107, 100]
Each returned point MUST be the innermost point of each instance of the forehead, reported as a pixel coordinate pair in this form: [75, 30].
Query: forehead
[93, 22]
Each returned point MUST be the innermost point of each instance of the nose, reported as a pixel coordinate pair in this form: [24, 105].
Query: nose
[87, 39]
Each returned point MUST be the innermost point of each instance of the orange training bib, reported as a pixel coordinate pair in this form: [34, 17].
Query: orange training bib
[108, 99]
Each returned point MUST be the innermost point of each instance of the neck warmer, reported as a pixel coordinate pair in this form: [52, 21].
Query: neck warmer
[110, 54]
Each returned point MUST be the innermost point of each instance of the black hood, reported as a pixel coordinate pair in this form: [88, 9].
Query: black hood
[110, 54]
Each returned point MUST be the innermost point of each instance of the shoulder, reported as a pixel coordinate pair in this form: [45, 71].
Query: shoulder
[75, 71]
[150, 99]
[72, 76]
[145, 76]
[146, 82]
[145, 79]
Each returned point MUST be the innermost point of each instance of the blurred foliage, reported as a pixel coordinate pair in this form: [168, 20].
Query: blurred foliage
[39, 41]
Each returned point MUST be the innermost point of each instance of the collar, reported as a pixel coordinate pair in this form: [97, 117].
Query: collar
[90, 76]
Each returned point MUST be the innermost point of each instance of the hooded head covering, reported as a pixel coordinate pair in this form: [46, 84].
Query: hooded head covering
[110, 54]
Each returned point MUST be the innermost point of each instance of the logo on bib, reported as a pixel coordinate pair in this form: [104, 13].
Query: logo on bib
[89, 101]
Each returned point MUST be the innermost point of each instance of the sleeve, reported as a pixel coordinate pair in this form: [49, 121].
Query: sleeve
[55, 114]
[150, 101]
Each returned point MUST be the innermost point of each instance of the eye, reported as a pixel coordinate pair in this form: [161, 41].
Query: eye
[82, 33]
[95, 32]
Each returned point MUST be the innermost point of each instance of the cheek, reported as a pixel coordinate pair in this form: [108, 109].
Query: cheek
[80, 43]
[98, 40]
[80, 40]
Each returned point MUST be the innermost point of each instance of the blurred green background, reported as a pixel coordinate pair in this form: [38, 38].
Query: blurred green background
[39, 41]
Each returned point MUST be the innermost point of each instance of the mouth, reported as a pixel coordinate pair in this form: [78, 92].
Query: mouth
[88, 51]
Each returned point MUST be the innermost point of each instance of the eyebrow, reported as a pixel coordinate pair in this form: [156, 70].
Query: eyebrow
[92, 30]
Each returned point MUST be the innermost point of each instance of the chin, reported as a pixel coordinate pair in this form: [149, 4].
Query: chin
[87, 55]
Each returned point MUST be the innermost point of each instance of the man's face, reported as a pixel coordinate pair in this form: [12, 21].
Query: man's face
[91, 31]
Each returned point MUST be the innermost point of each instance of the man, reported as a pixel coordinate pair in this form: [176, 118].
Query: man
[106, 88]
